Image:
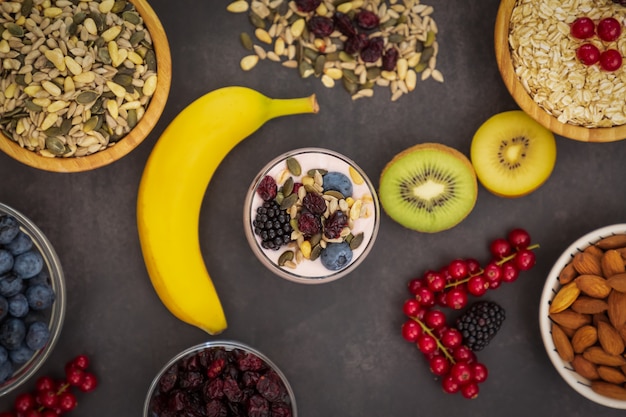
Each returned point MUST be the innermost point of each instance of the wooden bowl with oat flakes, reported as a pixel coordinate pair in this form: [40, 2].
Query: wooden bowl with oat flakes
[536, 57]
[92, 99]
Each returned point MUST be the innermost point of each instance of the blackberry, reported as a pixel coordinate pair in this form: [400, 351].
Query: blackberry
[272, 225]
[480, 323]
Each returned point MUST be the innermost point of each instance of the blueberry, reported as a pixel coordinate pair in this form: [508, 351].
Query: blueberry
[6, 370]
[28, 264]
[9, 228]
[4, 354]
[12, 333]
[338, 182]
[11, 284]
[41, 278]
[21, 354]
[20, 244]
[4, 307]
[336, 256]
[18, 305]
[6, 261]
[38, 335]
[40, 296]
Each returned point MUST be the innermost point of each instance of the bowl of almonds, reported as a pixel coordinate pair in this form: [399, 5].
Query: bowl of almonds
[83, 83]
[582, 316]
[563, 67]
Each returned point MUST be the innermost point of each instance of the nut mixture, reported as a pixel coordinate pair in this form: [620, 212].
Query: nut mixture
[76, 76]
[544, 58]
[588, 315]
[315, 44]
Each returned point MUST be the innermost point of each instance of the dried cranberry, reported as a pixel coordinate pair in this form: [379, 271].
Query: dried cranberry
[344, 24]
[367, 19]
[250, 378]
[307, 5]
[373, 50]
[250, 362]
[232, 390]
[177, 400]
[258, 407]
[191, 379]
[267, 188]
[269, 388]
[215, 408]
[216, 367]
[321, 26]
[214, 389]
[309, 224]
[335, 224]
[390, 59]
[168, 380]
[314, 202]
[354, 44]
[280, 409]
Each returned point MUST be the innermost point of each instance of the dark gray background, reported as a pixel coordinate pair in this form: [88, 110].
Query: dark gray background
[339, 343]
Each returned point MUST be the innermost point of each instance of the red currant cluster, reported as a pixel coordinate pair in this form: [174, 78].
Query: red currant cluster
[54, 397]
[442, 345]
[608, 30]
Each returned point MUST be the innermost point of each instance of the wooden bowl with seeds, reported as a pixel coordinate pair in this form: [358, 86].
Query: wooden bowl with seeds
[85, 89]
[536, 57]
[582, 316]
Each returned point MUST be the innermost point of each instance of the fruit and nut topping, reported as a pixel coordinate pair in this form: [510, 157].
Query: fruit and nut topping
[568, 57]
[312, 214]
[358, 44]
[216, 382]
[76, 77]
[588, 314]
[451, 349]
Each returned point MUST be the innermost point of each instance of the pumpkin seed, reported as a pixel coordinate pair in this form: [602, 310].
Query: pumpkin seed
[294, 166]
[246, 41]
[87, 97]
[14, 29]
[119, 6]
[316, 251]
[288, 201]
[131, 118]
[334, 193]
[321, 171]
[55, 145]
[285, 257]
[151, 61]
[27, 7]
[79, 18]
[122, 79]
[32, 106]
[288, 186]
[137, 37]
[315, 239]
[257, 21]
[356, 241]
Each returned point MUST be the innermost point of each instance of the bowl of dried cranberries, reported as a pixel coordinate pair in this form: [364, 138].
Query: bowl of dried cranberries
[220, 378]
[311, 215]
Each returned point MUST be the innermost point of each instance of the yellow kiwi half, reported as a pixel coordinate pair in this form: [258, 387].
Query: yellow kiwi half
[428, 187]
[512, 154]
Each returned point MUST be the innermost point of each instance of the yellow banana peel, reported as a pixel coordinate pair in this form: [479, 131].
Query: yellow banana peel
[173, 185]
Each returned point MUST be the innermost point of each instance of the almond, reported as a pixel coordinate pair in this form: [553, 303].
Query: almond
[585, 368]
[609, 390]
[617, 308]
[610, 339]
[568, 273]
[593, 285]
[617, 282]
[595, 251]
[586, 263]
[598, 317]
[562, 343]
[622, 332]
[612, 242]
[570, 319]
[611, 374]
[565, 297]
[612, 263]
[589, 305]
[597, 355]
[584, 337]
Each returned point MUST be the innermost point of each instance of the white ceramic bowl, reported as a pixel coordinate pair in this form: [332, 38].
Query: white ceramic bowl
[228, 346]
[313, 271]
[552, 285]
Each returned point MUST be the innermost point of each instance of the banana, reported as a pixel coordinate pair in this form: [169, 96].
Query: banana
[172, 187]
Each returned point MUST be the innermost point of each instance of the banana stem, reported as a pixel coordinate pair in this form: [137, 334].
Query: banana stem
[285, 107]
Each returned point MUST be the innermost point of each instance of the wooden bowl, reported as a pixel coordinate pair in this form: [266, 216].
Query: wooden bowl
[135, 136]
[525, 101]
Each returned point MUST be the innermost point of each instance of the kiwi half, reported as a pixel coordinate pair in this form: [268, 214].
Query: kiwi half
[512, 154]
[429, 187]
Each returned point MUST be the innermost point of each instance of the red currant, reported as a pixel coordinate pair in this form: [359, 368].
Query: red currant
[464, 354]
[480, 372]
[435, 281]
[588, 54]
[456, 298]
[426, 344]
[74, 376]
[500, 248]
[519, 238]
[461, 372]
[31, 413]
[45, 383]
[425, 297]
[47, 398]
[610, 60]
[434, 319]
[493, 275]
[414, 284]
[582, 28]
[510, 273]
[411, 331]
[439, 365]
[477, 285]
[440, 299]
[24, 402]
[90, 382]
[609, 29]
[67, 401]
[449, 385]
[411, 308]
[524, 260]
[473, 266]
[470, 391]
[457, 269]
[451, 338]
[81, 362]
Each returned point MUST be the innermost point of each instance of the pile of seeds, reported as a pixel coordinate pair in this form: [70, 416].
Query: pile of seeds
[296, 34]
[76, 76]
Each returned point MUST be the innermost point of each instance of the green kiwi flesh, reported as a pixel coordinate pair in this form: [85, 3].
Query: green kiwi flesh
[429, 187]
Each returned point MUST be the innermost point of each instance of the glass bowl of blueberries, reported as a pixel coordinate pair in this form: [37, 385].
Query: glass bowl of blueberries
[32, 298]
[220, 378]
[311, 215]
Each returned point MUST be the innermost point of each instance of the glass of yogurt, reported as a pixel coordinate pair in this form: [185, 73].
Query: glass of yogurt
[311, 215]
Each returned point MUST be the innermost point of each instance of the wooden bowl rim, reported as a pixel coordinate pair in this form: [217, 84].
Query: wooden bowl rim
[135, 136]
[523, 99]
